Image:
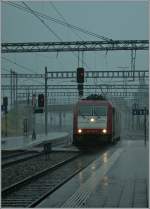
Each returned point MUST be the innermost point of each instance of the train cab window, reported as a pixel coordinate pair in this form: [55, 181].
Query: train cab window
[85, 110]
[100, 111]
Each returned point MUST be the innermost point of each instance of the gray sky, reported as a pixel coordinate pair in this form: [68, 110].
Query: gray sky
[118, 20]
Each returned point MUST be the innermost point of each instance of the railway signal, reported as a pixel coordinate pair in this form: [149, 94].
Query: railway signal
[80, 89]
[41, 100]
[80, 80]
[5, 104]
[144, 111]
[80, 75]
[41, 103]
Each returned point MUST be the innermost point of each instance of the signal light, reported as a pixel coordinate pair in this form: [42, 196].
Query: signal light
[5, 104]
[80, 89]
[41, 100]
[5, 101]
[80, 75]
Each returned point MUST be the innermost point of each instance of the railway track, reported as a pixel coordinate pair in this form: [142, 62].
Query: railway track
[18, 171]
[17, 157]
[10, 154]
[32, 190]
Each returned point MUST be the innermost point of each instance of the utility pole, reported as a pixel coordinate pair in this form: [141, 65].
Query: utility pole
[16, 88]
[46, 77]
[145, 124]
[5, 104]
[28, 96]
[11, 87]
[13, 80]
[6, 124]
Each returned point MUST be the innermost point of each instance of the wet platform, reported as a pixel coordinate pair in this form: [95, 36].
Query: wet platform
[27, 142]
[118, 178]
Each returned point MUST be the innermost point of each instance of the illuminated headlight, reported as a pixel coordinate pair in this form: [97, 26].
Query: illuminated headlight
[79, 131]
[104, 131]
[92, 119]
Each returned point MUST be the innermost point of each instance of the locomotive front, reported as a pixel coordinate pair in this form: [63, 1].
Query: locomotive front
[92, 122]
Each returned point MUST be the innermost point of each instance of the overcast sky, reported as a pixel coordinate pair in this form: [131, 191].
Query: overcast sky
[118, 20]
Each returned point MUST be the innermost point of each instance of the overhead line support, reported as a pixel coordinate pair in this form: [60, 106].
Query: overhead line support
[75, 46]
[88, 74]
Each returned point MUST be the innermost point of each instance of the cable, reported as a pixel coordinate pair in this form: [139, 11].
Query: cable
[41, 20]
[21, 66]
[58, 21]
[25, 68]
[47, 57]
[54, 7]
[54, 20]
[9, 72]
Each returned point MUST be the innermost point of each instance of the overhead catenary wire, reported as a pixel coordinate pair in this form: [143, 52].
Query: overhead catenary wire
[64, 19]
[47, 26]
[37, 13]
[21, 66]
[24, 79]
[59, 21]
[43, 22]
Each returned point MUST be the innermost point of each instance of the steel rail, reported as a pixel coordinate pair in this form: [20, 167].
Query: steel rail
[29, 179]
[17, 158]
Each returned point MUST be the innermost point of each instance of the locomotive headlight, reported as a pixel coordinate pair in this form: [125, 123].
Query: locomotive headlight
[79, 131]
[104, 131]
[92, 119]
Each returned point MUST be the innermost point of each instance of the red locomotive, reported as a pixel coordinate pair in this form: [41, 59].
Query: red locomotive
[95, 120]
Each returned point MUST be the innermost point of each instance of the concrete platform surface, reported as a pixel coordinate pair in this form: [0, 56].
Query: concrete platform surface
[118, 178]
[26, 142]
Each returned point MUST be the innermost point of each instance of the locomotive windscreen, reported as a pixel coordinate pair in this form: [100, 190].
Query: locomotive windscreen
[88, 110]
[85, 110]
[92, 116]
[100, 111]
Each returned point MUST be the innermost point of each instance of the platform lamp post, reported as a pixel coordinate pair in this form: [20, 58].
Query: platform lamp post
[46, 77]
